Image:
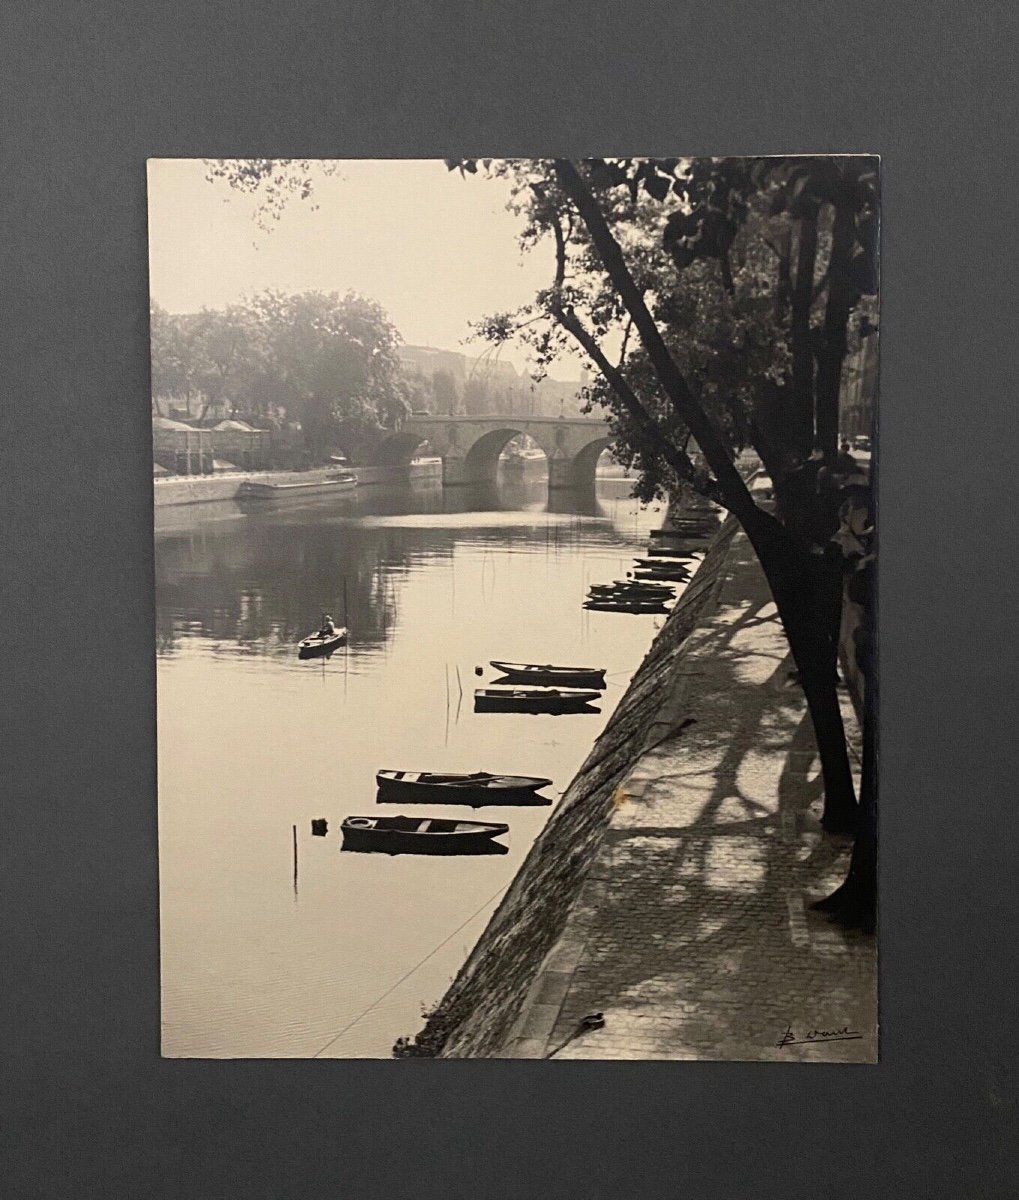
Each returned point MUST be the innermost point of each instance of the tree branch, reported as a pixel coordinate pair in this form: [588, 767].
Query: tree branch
[710, 442]
[677, 459]
[568, 319]
[626, 338]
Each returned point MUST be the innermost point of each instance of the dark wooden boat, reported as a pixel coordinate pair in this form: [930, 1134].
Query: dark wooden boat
[427, 787]
[317, 644]
[650, 574]
[421, 835]
[534, 700]
[687, 551]
[677, 562]
[622, 605]
[693, 532]
[548, 673]
[634, 586]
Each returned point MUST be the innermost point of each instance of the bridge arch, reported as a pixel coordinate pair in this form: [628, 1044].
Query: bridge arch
[470, 445]
[482, 458]
[584, 463]
[397, 450]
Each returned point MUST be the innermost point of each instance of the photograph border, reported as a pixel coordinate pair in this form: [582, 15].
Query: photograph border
[91, 92]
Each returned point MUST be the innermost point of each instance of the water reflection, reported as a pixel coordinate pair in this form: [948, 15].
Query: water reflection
[432, 586]
[254, 585]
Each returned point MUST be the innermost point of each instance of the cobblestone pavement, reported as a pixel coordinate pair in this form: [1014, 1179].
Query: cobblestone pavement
[693, 935]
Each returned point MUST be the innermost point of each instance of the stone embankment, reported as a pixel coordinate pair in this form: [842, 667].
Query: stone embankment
[202, 489]
[665, 910]
[476, 1014]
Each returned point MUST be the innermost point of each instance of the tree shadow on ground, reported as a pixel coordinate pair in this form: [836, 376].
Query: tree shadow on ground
[698, 941]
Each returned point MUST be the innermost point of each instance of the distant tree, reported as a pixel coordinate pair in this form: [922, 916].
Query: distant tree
[477, 398]
[418, 391]
[444, 391]
[333, 363]
[173, 357]
[227, 352]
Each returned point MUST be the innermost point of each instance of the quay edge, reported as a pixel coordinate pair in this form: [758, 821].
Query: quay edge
[474, 1017]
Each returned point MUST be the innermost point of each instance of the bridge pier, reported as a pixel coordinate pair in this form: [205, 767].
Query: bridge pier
[455, 472]
[560, 474]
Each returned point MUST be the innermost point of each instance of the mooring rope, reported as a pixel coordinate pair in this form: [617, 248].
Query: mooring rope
[336, 1037]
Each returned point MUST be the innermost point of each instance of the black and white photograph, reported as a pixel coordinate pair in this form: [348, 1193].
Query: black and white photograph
[515, 566]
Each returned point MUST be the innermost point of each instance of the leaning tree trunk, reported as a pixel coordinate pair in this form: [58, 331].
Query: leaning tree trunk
[854, 902]
[803, 589]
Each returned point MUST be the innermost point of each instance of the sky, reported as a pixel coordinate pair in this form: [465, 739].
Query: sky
[435, 249]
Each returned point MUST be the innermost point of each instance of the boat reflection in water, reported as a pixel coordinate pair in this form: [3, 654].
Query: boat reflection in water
[421, 835]
[551, 701]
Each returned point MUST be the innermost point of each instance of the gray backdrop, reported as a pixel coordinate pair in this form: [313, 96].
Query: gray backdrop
[90, 91]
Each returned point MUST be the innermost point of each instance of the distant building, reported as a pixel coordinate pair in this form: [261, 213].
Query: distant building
[505, 389]
[181, 449]
[239, 443]
[426, 360]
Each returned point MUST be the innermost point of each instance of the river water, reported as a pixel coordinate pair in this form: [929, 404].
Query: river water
[340, 958]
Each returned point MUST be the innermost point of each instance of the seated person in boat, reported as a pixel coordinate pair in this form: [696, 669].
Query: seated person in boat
[328, 628]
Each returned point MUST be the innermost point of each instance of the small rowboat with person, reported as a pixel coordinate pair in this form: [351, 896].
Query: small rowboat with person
[317, 644]
[428, 787]
[324, 641]
[421, 835]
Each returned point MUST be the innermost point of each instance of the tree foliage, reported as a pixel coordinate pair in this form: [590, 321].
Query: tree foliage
[273, 182]
[710, 246]
[327, 361]
[740, 279]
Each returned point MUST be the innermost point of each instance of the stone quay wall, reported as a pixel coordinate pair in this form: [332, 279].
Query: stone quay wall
[200, 489]
[477, 1012]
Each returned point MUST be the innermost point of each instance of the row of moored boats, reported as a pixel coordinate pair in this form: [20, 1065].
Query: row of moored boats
[438, 835]
[521, 687]
[651, 585]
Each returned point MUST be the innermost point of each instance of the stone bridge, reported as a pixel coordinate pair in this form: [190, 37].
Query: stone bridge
[470, 446]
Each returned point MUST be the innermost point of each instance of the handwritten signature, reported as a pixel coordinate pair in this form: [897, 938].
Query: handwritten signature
[843, 1034]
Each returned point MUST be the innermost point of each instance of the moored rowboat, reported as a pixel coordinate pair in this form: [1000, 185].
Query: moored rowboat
[548, 673]
[634, 585]
[421, 835]
[675, 551]
[680, 562]
[423, 787]
[650, 574]
[624, 605]
[534, 700]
